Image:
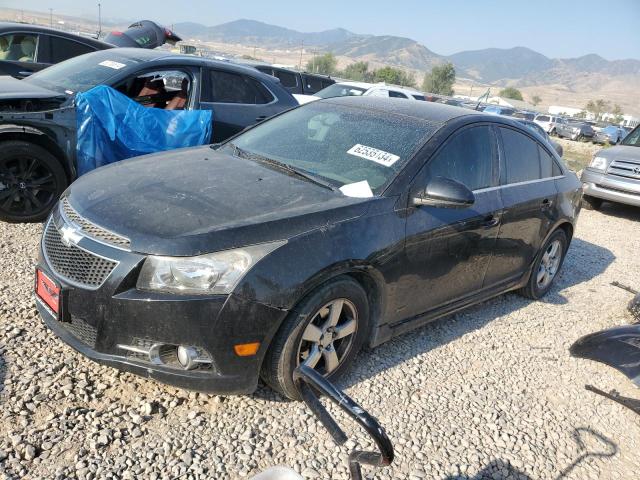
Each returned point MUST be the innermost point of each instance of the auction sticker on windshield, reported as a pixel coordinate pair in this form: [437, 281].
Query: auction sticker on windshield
[112, 64]
[369, 153]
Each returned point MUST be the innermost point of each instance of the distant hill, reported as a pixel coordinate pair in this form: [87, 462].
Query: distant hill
[250, 32]
[518, 66]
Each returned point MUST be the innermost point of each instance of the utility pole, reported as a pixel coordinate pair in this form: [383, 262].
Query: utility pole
[300, 62]
[99, 20]
[51, 17]
[254, 51]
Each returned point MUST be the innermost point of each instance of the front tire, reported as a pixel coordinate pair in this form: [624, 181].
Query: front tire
[546, 267]
[591, 203]
[31, 181]
[325, 331]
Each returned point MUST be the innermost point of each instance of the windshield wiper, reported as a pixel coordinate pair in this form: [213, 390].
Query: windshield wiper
[298, 172]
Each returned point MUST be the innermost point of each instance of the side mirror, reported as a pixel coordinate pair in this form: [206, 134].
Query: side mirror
[443, 192]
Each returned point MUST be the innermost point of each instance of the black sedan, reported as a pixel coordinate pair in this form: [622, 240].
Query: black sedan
[25, 49]
[335, 225]
[38, 118]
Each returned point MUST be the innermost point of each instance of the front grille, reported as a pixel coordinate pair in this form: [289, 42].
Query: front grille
[625, 168]
[93, 230]
[82, 331]
[73, 263]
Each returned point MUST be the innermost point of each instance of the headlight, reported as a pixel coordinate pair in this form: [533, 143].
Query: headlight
[599, 163]
[214, 273]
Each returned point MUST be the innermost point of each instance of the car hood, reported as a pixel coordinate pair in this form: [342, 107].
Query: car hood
[197, 200]
[12, 88]
[620, 152]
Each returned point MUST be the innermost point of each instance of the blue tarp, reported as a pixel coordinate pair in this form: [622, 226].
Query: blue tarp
[112, 127]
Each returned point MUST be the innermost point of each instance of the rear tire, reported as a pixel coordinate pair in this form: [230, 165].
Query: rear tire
[31, 181]
[306, 335]
[546, 267]
[591, 203]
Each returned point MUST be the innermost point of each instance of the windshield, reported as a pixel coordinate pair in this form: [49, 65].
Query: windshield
[340, 90]
[82, 73]
[633, 139]
[343, 145]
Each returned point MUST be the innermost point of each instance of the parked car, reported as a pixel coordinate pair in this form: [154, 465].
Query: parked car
[294, 81]
[548, 122]
[614, 174]
[575, 130]
[38, 118]
[611, 134]
[499, 110]
[360, 89]
[335, 225]
[25, 49]
[538, 129]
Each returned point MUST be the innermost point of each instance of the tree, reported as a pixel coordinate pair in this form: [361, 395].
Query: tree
[325, 64]
[440, 80]
[511, 92]
[582, 114]
[597, 107]
[535, 100]
[618, 114]
[358, 71]
[394, 76]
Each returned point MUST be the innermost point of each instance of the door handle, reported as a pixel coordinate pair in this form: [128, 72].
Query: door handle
[491, 221]
[261, 118]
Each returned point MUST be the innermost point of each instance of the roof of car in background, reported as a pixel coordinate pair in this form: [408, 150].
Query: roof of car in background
[8, 27]
[434, 112]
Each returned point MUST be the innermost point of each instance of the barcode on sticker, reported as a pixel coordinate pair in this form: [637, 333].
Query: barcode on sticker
[112, 64]
[369, 153]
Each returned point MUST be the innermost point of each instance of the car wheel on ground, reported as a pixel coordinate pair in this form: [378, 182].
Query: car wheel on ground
[591, 203]
[324, 331]
[546, 266]
[31, 181]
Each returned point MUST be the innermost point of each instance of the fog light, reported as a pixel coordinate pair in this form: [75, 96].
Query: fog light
[188, 357]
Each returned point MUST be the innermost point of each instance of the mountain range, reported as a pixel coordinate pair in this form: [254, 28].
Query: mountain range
[518, 66]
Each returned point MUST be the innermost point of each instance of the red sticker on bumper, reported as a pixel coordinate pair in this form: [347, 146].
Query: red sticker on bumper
[47, 291]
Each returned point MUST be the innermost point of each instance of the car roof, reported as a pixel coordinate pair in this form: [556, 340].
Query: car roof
[8, 27]
[431, 111]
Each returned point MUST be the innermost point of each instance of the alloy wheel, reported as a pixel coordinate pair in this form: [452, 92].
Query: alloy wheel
[329, 336]
[27, 186]
[549, 264]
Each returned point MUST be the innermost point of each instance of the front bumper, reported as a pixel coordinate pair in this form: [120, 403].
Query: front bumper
[98, 322]
[610, 187]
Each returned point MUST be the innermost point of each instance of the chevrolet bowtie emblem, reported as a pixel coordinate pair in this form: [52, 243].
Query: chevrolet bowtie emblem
[70, 235]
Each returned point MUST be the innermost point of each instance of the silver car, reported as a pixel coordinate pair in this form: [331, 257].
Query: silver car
[614, 174]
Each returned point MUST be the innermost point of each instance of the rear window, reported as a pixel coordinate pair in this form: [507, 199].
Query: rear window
[340, 90]
[542, 118]
[61, 49]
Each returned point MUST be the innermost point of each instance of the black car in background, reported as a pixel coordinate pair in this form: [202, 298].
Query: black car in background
[38, 118]
[294, 81]
[575, 130]
[335, 225]
[25, 49]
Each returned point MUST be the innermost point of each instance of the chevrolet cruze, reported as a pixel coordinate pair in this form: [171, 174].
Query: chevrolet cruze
[335, 225]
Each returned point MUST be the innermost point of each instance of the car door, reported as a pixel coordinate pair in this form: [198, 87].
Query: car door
[237, 101]
[448, 250]
[529, 195]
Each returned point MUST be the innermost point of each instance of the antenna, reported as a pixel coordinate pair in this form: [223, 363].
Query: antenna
[99, 19]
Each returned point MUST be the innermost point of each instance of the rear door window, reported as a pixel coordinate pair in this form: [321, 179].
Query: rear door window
[61, 49]
[525, 159]
[287, 79]
[394, 94]
[227, 87]
[468, 158]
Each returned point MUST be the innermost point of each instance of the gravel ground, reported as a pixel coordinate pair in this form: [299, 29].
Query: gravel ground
[488, 393]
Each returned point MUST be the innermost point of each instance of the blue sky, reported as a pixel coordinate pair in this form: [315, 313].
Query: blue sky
[559, 28]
